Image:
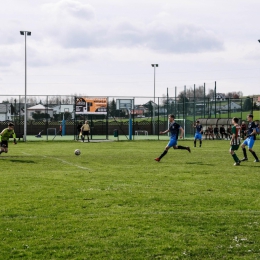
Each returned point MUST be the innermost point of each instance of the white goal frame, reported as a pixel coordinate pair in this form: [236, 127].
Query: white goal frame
[55, 132]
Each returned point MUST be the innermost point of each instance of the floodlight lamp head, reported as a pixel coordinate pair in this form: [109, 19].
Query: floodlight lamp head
[22, 32]
[259, 40]
[154, 65]
[29, 33]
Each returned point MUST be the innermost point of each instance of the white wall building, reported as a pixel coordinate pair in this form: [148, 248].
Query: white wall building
[38, 109]
[5, 112]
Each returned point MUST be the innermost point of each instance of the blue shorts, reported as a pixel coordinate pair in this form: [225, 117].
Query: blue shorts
[172, 142]
[249, 142]
[198, 136]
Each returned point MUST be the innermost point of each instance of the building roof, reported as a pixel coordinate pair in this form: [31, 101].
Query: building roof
[232, 105]
[39, 107]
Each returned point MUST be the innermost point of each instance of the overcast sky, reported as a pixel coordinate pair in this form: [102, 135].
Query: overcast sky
[106, 47]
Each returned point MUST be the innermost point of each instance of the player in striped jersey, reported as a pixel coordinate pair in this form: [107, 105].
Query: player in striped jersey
[235, 140]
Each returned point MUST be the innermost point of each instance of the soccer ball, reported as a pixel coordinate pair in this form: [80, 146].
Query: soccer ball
[77, 152]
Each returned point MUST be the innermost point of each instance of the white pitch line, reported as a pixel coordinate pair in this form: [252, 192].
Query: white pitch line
[63, 161]
[85, 168]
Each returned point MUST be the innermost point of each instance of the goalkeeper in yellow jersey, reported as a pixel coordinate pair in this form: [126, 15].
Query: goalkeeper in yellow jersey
[4, 137]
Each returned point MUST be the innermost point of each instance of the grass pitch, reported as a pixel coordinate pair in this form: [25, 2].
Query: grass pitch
[115, 202]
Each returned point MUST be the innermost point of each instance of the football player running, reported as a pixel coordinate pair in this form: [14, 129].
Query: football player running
[174, 129]
[250, 140]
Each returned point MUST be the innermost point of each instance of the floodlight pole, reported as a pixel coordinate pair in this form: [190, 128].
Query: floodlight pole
[25, 33]
[259, 107]
[130, 127]
[154, 65]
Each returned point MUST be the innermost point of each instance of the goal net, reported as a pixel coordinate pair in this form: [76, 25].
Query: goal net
[51, 133]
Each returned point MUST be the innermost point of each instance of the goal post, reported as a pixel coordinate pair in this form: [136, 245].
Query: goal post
[51, 132]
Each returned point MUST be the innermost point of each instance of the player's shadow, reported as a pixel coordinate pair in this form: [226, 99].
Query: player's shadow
[22, 161]
[201, 163]
[244, 165]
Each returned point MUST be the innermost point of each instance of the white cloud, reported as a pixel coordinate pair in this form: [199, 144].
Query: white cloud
[65, 8]
[118, 41]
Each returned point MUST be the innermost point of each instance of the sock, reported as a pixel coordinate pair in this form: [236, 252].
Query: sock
[182, 147]
[194, 143]
[164, 152]
[200, 143]
[235, 157]
[244, 152]
[254, 154]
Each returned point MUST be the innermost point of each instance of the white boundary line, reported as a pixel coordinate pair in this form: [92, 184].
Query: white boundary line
[63, 161]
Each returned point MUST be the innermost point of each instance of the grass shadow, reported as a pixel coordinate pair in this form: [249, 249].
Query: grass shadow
[22, 161]
[201, 163]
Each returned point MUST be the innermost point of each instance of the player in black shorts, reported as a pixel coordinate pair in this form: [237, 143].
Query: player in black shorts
[4, 137]
[174, 129]
[235, 140]
[250, 140]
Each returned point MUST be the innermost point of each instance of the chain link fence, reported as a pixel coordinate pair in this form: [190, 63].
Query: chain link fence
[149, 115]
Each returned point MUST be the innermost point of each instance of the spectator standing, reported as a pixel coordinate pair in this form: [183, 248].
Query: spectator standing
[60, 130]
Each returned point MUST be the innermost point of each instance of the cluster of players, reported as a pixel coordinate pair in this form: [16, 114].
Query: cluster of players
[218, 133]
[249, 136]
[221, 133]
[236, 132]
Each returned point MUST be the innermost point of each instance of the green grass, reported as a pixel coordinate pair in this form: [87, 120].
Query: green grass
[115, 202]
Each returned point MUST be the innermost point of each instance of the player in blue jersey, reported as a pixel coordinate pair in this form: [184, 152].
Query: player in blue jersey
[250, 140]
[198, 133]
[174, 129]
